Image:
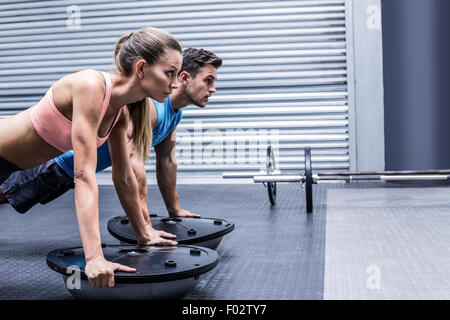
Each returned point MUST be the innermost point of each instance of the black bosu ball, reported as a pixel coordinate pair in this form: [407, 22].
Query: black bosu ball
[204, 232]
[162, 272]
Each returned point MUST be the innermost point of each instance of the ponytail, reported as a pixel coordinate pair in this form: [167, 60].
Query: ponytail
[142, 132]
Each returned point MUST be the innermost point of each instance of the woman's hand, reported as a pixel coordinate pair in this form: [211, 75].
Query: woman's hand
[100, 272]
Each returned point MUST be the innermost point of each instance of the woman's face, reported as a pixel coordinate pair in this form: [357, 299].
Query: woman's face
[161, 78]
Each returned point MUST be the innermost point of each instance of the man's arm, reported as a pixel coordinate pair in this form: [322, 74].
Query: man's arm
[166, 175]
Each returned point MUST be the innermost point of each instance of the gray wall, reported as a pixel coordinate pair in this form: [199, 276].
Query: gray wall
[417, 92]
[366, 94]
[295, 73]
[283, 81]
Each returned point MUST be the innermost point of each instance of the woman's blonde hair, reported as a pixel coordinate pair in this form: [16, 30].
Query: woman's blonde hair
[148, 44]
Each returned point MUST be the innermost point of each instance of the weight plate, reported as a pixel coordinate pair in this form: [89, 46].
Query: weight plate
[272, 190]
[270, 167]
[308, 180]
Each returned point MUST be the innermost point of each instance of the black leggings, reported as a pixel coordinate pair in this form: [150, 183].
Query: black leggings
[6, 169]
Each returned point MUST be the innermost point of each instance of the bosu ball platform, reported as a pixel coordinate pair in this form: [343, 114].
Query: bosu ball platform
[204, 232]
[162, 272]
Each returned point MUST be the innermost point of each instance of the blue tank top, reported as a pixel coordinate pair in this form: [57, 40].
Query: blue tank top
[167, 121]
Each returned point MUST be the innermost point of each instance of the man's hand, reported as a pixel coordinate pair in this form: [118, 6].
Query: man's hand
[183, 213]
[156, 236]
[100, 272]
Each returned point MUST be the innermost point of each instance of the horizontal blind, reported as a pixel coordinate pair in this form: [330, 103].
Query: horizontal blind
[283, 81]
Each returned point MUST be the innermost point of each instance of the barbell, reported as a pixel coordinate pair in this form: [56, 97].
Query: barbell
[307, 178]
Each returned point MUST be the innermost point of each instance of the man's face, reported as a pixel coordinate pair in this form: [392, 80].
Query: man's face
[202, 86]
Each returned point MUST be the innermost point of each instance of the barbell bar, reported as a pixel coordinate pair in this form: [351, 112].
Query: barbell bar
[307, 179]
[317, 178]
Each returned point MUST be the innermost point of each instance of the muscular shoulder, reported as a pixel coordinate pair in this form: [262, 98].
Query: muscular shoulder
[88, 91]
[89, 81]
[81, 88]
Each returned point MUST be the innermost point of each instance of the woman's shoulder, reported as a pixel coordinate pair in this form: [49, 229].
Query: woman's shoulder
[87, 78]
[83, 80]
[85, 86]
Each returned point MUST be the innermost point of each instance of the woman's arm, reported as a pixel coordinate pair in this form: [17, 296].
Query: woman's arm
[127, 187]
[138, 166]
[87, 103]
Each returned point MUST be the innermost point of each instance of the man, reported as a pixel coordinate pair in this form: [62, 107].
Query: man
[197, 76]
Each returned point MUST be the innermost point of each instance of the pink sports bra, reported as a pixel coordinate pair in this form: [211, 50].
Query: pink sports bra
[55, 129]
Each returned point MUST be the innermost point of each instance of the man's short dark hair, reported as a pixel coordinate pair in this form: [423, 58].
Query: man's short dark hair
[194, 59]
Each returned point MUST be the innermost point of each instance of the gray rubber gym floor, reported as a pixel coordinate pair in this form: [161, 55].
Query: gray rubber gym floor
[363, 241]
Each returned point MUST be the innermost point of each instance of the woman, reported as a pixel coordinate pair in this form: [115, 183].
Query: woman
[80, 111]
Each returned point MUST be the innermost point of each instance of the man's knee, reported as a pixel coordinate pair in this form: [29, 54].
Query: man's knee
[2, 197]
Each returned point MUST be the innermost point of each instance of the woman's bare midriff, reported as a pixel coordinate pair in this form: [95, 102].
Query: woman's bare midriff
[21, 145]
[18, 130]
